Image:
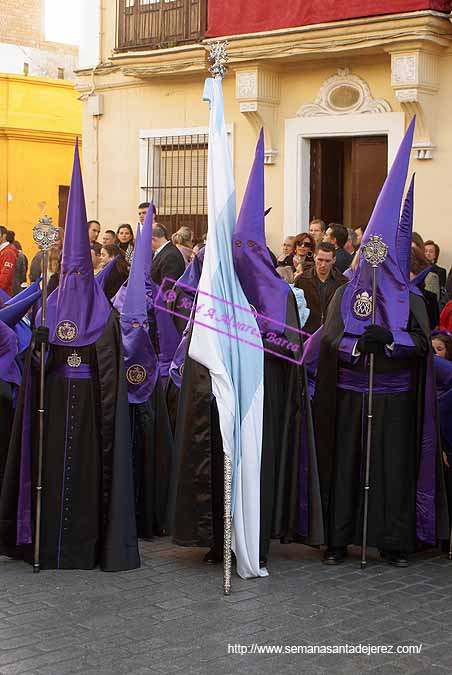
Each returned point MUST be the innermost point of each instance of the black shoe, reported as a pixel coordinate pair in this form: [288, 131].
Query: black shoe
[396, 558]
[334, 556]
[213, 557]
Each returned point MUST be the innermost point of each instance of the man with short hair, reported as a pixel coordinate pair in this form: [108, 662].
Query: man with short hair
[93, 230]
[352, 242]
[109, 238]
[359, 235]
[317, 229]
[8, 259]
[319, 284]
[337, 235]
[167, 260]
[287, 253]
[143, 209]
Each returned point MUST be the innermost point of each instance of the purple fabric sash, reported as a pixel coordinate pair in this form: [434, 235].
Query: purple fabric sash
[384, 383]
[83, 372]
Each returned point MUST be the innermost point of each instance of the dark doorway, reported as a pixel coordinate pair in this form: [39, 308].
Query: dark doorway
[346, 177]
[63, 196]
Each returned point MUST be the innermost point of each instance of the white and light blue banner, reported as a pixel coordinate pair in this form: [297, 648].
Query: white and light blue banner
[236, 368]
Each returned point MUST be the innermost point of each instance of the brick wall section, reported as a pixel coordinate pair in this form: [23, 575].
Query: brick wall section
[21, 22]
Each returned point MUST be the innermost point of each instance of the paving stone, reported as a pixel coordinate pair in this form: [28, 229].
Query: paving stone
[171, 616]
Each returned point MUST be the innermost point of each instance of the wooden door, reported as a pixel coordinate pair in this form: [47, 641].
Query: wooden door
[63, 196]
[327, 179]
[369, 169]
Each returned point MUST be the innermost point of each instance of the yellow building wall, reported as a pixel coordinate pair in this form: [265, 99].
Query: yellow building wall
[39, 121]
[177, 103]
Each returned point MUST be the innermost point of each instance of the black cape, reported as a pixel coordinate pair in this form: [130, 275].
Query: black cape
[153, 451]
[88, 515]
[340, 430]
[198, 499]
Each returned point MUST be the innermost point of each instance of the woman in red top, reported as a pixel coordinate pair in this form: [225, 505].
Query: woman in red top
[8, 257]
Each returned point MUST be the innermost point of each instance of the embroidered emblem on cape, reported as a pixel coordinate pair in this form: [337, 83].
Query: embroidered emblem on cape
[74, 360]
[66, 331]
[362, 306]
[136, 374]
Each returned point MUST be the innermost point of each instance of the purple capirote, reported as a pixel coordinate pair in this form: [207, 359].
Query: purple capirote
[392, 306]
[77, 311]
[140, 360]
[265, 290]
[168, 336]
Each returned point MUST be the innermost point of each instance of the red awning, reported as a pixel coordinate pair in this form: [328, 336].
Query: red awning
[236, 17]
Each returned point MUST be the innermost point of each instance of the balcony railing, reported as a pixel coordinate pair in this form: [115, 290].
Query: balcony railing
[157, 24]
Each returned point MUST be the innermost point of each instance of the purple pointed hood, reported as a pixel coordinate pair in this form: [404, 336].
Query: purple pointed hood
[78, 309]
[32, 288]
[168, 336]
[404, 240]
[139, 356]
[190, 279]
[265, 290]
[12, 313]
[9, 370]
[393, 305]
[146, 244]
[417, 281]
[405, 232]
[146, 240]
[102, 277]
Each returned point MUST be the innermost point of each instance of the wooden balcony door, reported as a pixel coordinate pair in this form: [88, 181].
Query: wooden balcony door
[151, 24]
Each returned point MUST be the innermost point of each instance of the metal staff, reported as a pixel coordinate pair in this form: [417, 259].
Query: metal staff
[375, 252]
[45, 236]
[218, 56]
[227, 552]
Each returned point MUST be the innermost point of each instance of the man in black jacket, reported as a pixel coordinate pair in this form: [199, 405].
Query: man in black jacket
[319, 284]
[167, 260]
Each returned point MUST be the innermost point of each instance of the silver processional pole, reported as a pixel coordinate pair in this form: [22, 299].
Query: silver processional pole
[374, 252]
[45, 235]
[218, 56]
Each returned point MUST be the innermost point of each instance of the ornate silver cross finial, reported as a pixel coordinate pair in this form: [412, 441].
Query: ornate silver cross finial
[375, 251]
[45, 234]
[219, 56]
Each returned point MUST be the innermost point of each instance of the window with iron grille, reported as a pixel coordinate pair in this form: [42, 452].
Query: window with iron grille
[154, 24]
[173, 173]
[176, 180]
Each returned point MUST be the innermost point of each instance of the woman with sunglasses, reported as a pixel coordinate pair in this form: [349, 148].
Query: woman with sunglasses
[304, 248]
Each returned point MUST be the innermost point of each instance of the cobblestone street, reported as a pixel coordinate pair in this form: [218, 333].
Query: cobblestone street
[171, 616]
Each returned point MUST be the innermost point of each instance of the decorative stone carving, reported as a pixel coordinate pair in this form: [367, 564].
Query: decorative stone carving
[415, 79]
[403, 69]
[344, 94]
[246, 85]
[258, 94]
